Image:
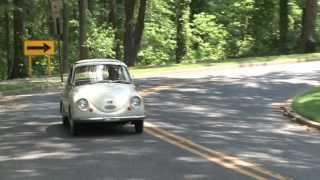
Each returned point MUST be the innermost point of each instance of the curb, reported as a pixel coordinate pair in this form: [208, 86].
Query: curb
[31, 90]
[295, 117]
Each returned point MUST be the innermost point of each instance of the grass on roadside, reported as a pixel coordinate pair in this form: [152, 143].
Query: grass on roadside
[308, 104]
[229, 63]
[10, 87]
[16, 85]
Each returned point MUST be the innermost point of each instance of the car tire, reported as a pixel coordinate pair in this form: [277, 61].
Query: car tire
[138, 126]
[65, 120]
[73, 126]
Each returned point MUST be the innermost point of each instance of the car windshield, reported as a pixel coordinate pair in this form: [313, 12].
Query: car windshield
[101, 73]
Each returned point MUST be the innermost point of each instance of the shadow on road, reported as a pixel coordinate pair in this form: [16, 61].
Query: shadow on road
[238, 115]
[233, 114]
[91, 130]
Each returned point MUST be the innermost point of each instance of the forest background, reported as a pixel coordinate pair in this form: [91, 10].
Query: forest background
[155, 32]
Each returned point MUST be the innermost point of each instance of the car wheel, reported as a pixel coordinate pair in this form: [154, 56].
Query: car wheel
[138, 126]
[73, 128]
[65, 120]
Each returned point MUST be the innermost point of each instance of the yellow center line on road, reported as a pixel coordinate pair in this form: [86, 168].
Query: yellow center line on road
[218, 158]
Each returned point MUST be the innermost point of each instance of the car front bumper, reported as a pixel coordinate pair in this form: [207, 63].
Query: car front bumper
[111, 119]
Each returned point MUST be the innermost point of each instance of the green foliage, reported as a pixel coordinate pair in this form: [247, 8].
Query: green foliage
[308, 104]
[236, 17]
[73, 43]
[263, 27]
[183, 29]
[158, 45]
[208, 39]
[100, 42]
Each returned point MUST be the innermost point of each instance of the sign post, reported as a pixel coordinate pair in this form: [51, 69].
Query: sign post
[30, 66]
[38, 48]
[49, 65]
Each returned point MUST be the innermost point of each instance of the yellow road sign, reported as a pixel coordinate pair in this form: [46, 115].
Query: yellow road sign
[38, 47]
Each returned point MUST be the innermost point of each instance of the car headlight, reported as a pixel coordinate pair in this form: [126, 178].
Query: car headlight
[83, 104]
[135, 102]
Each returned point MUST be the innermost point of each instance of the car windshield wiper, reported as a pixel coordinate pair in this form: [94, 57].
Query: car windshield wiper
[102, 81]
[111, 81]
[120, 81]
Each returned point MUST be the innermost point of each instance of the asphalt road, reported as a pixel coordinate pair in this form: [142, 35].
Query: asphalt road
[232, 113]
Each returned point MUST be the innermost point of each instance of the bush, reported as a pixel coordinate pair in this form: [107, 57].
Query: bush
[100, 42]
[158, 43]
[208, 39]
[158, 47]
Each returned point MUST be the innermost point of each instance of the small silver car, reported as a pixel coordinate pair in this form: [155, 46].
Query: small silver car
[101, 90]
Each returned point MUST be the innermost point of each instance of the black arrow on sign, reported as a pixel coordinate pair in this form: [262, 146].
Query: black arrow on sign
[45, 47]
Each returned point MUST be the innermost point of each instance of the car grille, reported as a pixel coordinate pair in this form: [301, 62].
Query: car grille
[110, 107]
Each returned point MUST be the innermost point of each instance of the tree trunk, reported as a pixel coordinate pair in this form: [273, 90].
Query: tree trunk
[113, 12]
[182, 26]
[116, 28]
[65, 37]
[308, 42]
[18, 63]
[83, 27]
[8, 39]
[133, 30]
[284, 12]
[129, 57]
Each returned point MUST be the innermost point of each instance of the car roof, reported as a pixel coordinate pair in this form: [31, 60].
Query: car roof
[99, 61]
